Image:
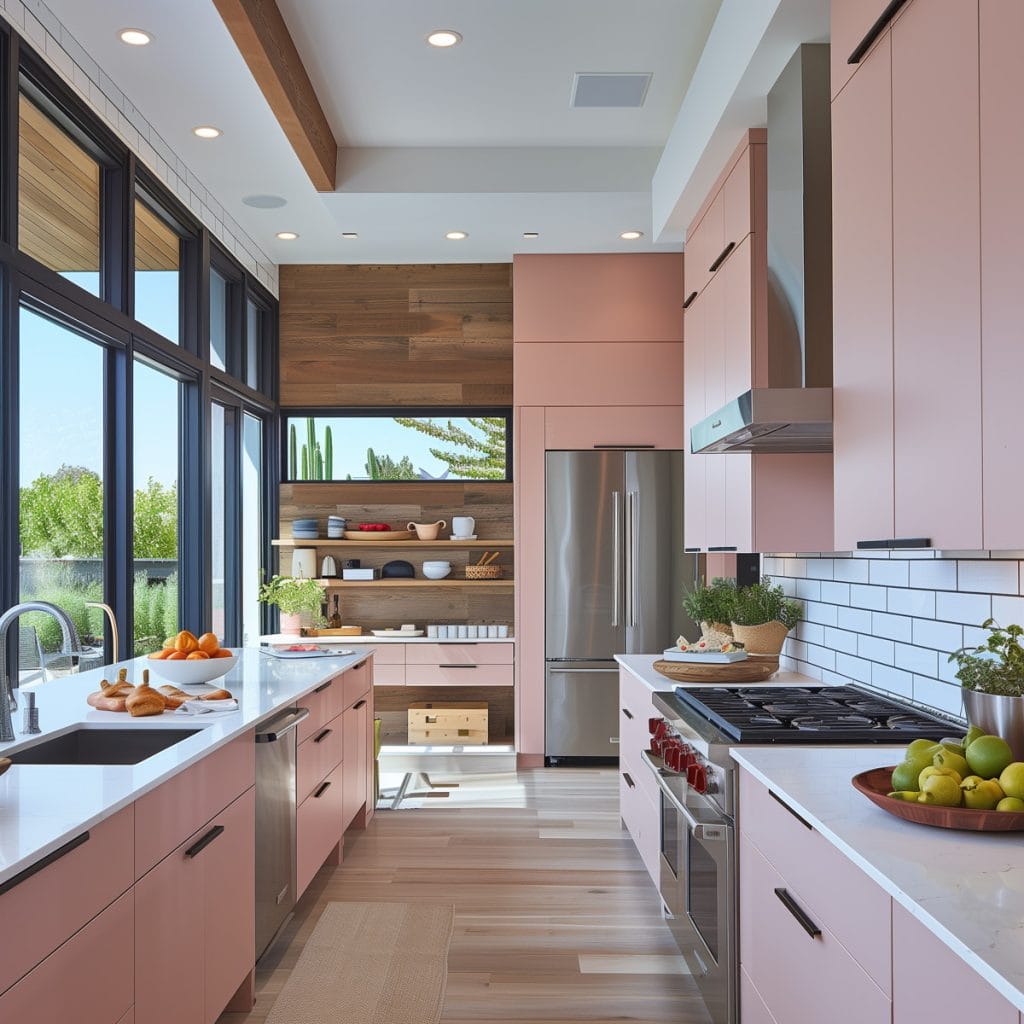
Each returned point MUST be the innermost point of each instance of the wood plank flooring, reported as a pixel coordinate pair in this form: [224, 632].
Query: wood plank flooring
[556, 919]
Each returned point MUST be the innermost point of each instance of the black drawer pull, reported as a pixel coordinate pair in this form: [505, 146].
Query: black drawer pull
[323, 686]
[890, 12]
[323, 735]
[627, 712]
[896, 542]
[797, 911]
[629, 780]
[358, 705]
[722, 257]
[733, 548]
[782, 803]
[320, 792]
[197, 848]
[456, 666]
[622, 444]
[689, 300]
[32, 869]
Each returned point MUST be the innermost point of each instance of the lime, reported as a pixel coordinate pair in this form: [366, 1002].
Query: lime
[988, 756]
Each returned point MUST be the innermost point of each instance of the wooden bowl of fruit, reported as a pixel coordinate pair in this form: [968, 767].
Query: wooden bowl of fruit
[188, 660]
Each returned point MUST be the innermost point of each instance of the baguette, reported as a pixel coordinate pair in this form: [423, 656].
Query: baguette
[216, 695]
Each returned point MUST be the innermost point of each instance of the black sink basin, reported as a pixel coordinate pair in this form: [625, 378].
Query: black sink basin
[102, 746]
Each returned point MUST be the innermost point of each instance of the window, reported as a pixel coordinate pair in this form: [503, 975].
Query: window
[254, 318]
[61, 466]
[218, 495]
[219, 328]
[58, 198]
[252, 525]
[156, 457]
[433, 444]
[157, 273]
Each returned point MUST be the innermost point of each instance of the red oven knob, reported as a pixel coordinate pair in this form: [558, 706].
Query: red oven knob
[655, 726]
[673, 756]
[697, 777]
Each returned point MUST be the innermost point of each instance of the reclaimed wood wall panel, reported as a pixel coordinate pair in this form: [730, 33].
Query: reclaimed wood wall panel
[423, 334]
[391, 703]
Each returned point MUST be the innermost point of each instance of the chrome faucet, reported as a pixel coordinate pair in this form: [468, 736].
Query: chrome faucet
[71, 645]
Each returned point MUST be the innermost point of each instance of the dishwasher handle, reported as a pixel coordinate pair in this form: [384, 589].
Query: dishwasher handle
[281, 726]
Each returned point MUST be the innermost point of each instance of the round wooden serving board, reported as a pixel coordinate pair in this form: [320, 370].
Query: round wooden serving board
[753, 670]
[382, 535]
[876, 784]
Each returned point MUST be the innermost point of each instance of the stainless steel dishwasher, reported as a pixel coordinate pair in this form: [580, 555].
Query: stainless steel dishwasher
[275, 825]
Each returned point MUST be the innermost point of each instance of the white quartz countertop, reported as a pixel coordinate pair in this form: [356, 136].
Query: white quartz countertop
[642, 666]
[966, 887]
[278, 639]
[44, 806]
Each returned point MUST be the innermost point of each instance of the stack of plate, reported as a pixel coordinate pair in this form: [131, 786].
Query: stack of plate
[335, 527]
[305, 529]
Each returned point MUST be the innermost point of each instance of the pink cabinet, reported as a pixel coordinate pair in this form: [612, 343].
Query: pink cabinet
[318, 827]
[87, 980]
[318, 756]
[572, 428]
[851, 22]
[936, 274]
[354, 775]
[694, 410]
[919, 958]
[639, 800]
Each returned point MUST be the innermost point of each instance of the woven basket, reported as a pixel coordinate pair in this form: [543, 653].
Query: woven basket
[753, 670]
[483, 572]
[767, 638]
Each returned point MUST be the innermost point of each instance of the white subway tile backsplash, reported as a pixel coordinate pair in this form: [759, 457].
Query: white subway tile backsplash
[891, 574]
[893, 680]
[810, 632]
[975, 636]
[863, 596]
[841, 640]
[809, 670]
[971, 609]
[893, 627]
[808, 590]
[854, 668]
[875, 648]
[855, 619]
[940, 636]
[835, 593]
[917, 659]
[941, 696]
[851, 570]
[906, 601]
[821, 656]
[816, 611]
[819, 568]
[1007, 610]
[933, 575]
[795, 567]
[991, 577]
[795, 648]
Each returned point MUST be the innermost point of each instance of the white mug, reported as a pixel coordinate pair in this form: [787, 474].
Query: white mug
[471, 632]
[432, 631]
[492, 632]
[442, 632]
[503, 632]
[462, 526]
[463, 632]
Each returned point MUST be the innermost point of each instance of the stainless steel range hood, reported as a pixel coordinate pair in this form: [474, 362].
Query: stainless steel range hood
[794, 413]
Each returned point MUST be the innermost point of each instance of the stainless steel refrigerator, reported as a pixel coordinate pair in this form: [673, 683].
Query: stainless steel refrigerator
[615, 574]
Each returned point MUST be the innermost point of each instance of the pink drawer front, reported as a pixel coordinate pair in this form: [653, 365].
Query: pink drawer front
[458, 675]
[317, 757]
[641, 818]
[387, 654]
[318, 827]
[389, 675]
[169, 814]
[87, 980]
[859, 911]
[459, 654]
[49, 905]
[799, 977]
[355, 684]
[637, 696]
[754, 1010]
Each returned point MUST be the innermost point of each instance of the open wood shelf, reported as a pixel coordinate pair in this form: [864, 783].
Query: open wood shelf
[374, 544]
[423, 584]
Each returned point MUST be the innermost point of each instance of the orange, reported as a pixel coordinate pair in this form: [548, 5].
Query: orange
[169, 643]
[208, 642]
[197, 656]
[161, 655]
[222, 652]
[185, 641]
[177, 656]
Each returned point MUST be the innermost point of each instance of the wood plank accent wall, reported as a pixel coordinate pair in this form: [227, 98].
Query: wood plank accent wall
[422, 334]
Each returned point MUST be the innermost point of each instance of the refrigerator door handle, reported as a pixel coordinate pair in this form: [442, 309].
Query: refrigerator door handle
[631, 513]
[616, 558]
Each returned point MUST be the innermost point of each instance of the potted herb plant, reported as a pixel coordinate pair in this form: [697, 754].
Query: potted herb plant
[711, 604]
[762, 617]
[295, 598]
[992, 677]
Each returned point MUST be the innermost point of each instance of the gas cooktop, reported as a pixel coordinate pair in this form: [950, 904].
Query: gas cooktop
[811, 714]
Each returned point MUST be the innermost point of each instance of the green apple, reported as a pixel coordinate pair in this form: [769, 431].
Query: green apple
[1011, 803]
[943, 790]
[908, 795]
[932, 771]
[981, 794]
[988, 756]
[973, 732]
[1012, 779]
[905, 774]
[945, 758]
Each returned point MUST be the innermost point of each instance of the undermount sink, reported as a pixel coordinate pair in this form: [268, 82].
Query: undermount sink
[102, 746]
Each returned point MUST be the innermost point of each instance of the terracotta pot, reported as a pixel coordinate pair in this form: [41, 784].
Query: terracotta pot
[766, 638]
[291, 625]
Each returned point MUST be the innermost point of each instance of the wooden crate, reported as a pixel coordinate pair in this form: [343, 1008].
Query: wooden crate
[448, 722]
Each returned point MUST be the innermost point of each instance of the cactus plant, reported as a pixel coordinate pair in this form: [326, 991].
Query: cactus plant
[318, 463]
[311, 443]
[372, 468]
[328, 454]
[292, 456]
[305, 463]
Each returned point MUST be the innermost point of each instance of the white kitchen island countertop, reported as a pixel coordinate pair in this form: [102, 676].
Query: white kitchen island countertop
[284, 639]
[642, 666]
[44, 806]
[965, 887]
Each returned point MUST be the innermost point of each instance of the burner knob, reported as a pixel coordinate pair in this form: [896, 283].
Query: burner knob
[697, 777]
[654, 725]
[689, 758]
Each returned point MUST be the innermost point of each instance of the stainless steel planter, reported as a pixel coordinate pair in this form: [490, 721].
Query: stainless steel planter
[1003, 716]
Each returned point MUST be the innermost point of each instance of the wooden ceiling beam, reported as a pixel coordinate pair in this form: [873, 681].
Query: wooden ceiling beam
[262, 37]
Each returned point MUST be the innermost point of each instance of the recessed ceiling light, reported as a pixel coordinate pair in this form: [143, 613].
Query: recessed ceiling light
[350, 234]
[287, 236]
[631, 236]
[444, 37]
[206, 131]
[457, 236]
[134, 37]
[531, 234]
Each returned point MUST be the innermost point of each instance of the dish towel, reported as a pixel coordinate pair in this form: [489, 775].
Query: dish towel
[207, 707]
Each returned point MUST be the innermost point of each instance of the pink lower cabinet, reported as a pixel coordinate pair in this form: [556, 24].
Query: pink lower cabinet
[640, 815]
[194, 921]
[319, 826]
[931, 983]
[87, 980]
[355, 725]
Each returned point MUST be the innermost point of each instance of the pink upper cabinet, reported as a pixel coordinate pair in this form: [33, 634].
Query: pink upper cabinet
[598, 297]
[852, 21]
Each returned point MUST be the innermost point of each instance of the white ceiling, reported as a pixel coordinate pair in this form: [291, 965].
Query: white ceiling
[479, 138]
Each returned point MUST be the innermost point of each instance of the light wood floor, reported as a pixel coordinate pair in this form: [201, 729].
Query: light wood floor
[556, 918]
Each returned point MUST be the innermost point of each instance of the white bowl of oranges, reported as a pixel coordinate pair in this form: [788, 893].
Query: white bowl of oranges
[188, 660]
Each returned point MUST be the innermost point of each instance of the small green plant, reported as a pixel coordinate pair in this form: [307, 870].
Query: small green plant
[292, 595]
[712, 602]
[761, 602]
[997, 665]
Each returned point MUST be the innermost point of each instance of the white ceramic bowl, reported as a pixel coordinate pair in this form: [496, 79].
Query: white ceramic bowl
[192, 673]
[436, 570]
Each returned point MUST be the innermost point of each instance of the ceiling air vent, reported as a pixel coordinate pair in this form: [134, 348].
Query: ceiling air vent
[609, 89]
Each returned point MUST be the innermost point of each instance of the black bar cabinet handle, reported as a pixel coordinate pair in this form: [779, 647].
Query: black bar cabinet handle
[890, 12]
[456, 666]
[323, 686]
[627, 712]
[733, 548]
[197, 848]
[797, 911]
[323, 735]
[629, 780]
[622, 444]
[320, 792]
[358, 705]
[689, 300]
[896, 542]
[782, 803]
[32, 869]
[722, 257]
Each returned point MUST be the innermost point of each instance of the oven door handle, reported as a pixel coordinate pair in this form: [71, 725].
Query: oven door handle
[695, 826]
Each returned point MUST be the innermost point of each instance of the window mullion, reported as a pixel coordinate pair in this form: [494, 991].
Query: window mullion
[118, 539]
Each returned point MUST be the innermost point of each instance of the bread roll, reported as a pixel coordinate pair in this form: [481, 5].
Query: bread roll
[144, 700]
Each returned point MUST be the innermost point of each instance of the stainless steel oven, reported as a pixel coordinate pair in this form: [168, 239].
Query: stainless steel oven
[698, 888]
